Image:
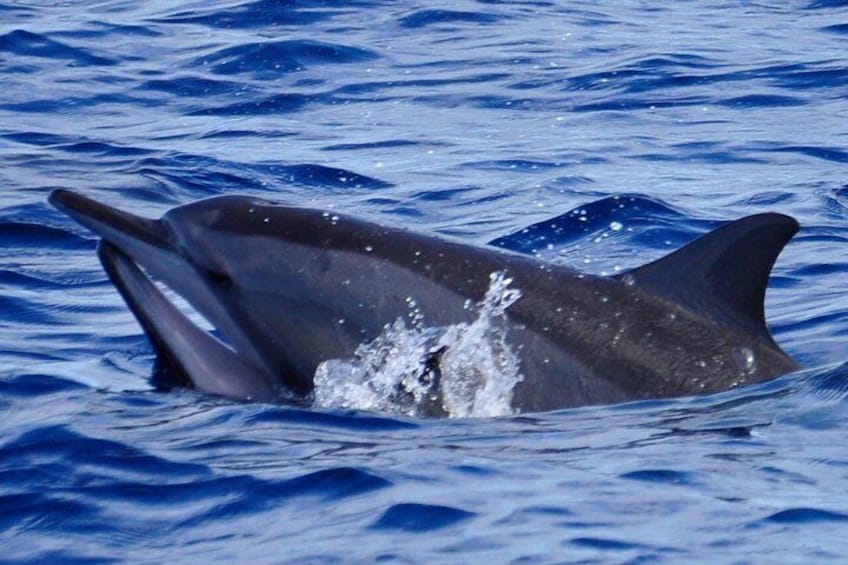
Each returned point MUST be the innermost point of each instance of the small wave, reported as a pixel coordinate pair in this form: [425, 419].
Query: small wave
[623, 104]
[413, 88]
[349, 421]
[425, 18]
[263, 13]
[805, 516]
[664, 476]
[519, 165]
[761, 101]
[99, 148]
[823, 4]
[607, 214]
[27, 235]
[835, 154]
[246, 495]
[181, 176]
[190, 86]
[65, 104]
[329, 177]
[646, 74]
[806, 76]
[269, 60]
[196, 175]
[103, 29]
[836, 28]
[25, 43]
[33, 511]
[276, 104]
[443, 195]
[606, 544]
[37, 138]
[70, 449]
[386, 144]
[33, 385]
[411, 517]
[829, 384]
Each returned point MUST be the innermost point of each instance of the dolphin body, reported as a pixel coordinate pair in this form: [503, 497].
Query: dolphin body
[287, 288]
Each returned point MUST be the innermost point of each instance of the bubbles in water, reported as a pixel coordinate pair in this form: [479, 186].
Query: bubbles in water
[462, 370]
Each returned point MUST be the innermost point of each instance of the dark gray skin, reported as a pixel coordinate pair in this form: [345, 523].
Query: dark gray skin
[288, 288]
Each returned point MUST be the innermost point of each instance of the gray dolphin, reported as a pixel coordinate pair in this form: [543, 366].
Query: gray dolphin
[287, 288]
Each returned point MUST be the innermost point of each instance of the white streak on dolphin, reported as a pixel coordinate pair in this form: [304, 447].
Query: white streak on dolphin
[287, 288]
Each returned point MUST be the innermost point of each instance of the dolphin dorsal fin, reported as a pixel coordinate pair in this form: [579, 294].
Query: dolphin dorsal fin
[723, 274]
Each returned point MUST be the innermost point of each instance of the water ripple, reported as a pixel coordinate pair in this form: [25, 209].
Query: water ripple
[332, 419]
[258, 14]
[268, 60]
[27, 44]
[805, 516]
[616, 211]
[412, 517]
[424, 18]
[275, 104]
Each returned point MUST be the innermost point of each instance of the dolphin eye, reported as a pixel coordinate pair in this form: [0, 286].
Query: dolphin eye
[218, 278]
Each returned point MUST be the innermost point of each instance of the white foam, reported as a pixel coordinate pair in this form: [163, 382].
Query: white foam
[396, 372]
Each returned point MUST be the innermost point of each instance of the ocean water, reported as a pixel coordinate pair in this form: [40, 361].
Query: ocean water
[639, 125]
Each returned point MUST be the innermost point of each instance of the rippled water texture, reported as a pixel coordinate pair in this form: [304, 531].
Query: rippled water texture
[632, 126]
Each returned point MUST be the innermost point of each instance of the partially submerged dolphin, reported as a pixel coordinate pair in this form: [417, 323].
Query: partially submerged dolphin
[287, 288]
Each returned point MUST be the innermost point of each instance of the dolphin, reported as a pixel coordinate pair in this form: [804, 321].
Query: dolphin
[288, 287]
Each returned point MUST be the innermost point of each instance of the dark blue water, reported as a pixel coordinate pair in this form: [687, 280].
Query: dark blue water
[645, 124]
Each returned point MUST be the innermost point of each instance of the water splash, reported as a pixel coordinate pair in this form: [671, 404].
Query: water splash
[460, 371]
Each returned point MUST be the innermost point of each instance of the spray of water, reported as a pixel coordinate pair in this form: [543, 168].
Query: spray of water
[460, 371]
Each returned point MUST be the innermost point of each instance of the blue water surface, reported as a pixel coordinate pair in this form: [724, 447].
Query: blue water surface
[638, 125]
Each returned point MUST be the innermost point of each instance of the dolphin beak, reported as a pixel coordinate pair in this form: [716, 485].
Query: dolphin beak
[126, 231]
[143, 240]
[132, 243]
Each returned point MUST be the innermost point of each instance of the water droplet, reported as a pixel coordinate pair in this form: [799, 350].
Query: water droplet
[369, 248]
[616, 226]
[266, 220]
[745, 359]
